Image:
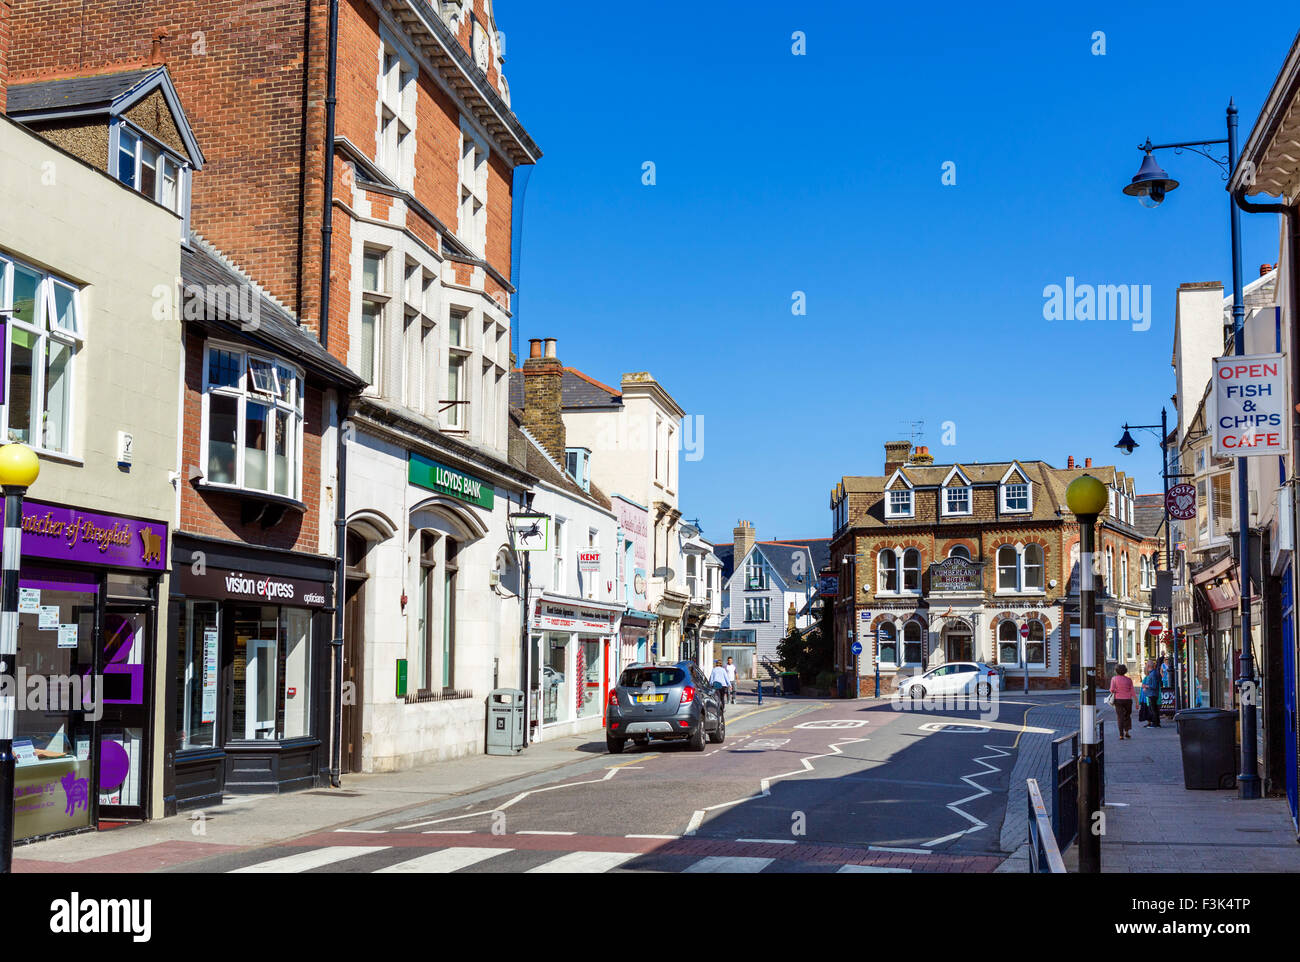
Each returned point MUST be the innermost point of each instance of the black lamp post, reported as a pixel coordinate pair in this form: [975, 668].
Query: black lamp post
[1150, 185]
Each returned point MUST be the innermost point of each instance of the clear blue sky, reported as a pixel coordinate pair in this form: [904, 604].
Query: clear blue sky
[822, 173]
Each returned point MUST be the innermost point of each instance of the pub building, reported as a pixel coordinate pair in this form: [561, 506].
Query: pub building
[88, 594]
[251, 606]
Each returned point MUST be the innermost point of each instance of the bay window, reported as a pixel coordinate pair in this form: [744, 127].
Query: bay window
[45, 333]
[252, 416]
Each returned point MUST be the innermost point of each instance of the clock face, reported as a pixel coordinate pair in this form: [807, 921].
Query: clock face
[638, 584]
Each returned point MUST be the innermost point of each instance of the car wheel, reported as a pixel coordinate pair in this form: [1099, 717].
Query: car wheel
[917, 692]
[720, 735]
[983, 690]
[696, 742]
[615, 745]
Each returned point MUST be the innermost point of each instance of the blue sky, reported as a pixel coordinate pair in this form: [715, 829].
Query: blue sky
[821, 173]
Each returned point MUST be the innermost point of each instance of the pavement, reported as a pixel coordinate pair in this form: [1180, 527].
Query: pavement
[1154, 824]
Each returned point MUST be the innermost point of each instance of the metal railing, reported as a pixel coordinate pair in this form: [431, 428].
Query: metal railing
[1044, 856]
[1065, 788]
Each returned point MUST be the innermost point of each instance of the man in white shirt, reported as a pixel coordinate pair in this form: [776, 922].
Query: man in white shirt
[731, 680]
[719, 677]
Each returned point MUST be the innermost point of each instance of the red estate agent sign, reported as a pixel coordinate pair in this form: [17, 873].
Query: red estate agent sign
[1181, 502]
[1250, 407]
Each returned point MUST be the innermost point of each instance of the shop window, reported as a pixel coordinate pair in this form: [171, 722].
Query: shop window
[45, 334]
[252, 408]
[591, 673]
[555, 685]
[198, 666]
[297, 662]
[272, 656]
[422, 646]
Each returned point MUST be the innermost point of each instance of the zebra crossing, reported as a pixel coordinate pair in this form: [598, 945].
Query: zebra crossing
[404, 859]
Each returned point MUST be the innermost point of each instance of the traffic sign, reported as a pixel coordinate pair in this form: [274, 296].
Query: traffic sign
[1156, 628]
[856, 648]
[1024, 631]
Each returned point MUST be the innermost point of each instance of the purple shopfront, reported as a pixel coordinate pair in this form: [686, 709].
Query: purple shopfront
[87, 616]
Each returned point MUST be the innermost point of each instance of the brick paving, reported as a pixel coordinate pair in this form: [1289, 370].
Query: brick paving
[1034, 760]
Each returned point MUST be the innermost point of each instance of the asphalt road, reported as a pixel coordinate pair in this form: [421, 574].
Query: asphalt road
[797, 786]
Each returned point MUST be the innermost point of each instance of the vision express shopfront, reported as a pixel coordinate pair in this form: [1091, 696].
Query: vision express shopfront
[249, 671]
[88, 594]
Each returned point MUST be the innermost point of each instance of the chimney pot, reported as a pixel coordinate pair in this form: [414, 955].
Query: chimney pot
[550, 347]
[534, 347]
[1264, 269]
[1087, 462]
[1070, 463]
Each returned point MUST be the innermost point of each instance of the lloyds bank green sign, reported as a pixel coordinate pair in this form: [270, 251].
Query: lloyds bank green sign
[426, 473]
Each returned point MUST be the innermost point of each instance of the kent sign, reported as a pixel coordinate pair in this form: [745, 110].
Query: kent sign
[1250, 406]
[426, 473]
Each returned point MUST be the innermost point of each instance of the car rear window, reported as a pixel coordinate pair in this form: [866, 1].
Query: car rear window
[659, 677]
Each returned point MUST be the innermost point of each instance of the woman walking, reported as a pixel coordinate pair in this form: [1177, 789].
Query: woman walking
[1121, 690]
[1151, 694]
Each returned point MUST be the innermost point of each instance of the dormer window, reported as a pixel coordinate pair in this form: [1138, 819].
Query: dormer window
[577, 462]
[899, 504]
[1015, 497]
[149, 168]
[956, 500]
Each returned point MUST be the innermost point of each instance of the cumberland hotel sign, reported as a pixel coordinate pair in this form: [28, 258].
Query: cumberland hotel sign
[956, 574]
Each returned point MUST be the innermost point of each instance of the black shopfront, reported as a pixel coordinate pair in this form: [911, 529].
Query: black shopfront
[248, 670]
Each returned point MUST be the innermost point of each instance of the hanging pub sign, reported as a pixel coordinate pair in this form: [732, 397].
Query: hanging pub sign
[1250, 406]
[1180, 502]
[530, 531]
[828, 586]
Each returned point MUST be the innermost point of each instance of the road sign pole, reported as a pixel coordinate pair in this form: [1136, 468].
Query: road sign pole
[1024, 657]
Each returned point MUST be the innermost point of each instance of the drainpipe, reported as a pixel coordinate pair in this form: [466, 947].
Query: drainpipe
[327, 213]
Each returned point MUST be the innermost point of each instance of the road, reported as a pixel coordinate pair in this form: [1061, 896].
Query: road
[821, 786]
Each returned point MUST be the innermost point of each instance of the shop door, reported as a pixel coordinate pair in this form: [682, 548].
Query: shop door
[125, 657]
[1074, 654]
[353, 655]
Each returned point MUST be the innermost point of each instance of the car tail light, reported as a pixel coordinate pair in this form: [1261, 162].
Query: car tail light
[612, 701]
[688, 694]
[684, 723]
[613, 724]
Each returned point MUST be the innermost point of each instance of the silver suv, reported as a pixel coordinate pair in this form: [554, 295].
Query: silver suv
[666, 701]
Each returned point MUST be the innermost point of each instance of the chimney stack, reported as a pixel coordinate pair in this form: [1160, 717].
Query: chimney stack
[744, 537]
[543, 386]
[156, 57]
[1069, 464]
[896, 455]
[922, 456]
[1265, 269]
[1087, 462]
[5, 17]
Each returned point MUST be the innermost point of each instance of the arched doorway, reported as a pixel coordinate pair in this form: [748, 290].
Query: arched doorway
[958, 642]
[354, 633]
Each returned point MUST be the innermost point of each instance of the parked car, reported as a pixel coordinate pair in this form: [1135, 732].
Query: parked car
[972, 678]
[552, 677]
[669, 702]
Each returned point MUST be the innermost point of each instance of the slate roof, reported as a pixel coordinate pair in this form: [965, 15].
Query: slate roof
[1149, 514]
[74, 93]
[782, 561]
[577, 390]
[538, 463]
[203, 265]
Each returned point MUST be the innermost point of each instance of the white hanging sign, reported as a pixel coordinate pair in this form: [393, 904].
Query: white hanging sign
[1250, 406]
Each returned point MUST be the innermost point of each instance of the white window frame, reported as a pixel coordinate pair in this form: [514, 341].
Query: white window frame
[1005, 491]
[46, 330]
[472, 193]
[559, 570]
[291, 409]
[920, 643]
[999, 641]
[396, 113]
[165, 156]
[1021, 569]
[381, 298]
[958, 489]
[1025, 643]
[758, 609]
[882, 569]
[897, 642]
[898, 512]
[756, 569]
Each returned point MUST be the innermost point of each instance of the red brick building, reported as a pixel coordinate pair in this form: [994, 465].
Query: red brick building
[948, 562]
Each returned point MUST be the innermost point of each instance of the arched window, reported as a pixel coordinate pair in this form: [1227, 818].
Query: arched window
[1007, 562]
[1036, 645]
[887, 571]
[1123, 575]
[1074, 569]
[1144, 572]
[1110, 571]
[911, 570]
[912, 643]
[1033, 562]
[959, 551]
[887, 644]
[1008, 643]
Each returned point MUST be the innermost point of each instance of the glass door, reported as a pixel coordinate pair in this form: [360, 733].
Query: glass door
[123, 759]
[259, 694]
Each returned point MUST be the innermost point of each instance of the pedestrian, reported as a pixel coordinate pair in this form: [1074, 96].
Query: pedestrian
[1151, 694]
[1121, 692]
[731, 680]
[718, 679]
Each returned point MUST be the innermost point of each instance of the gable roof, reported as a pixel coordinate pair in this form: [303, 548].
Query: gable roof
[1149, 514]
[537, 462]
[107, 93]
[818, 551]
[577, 390]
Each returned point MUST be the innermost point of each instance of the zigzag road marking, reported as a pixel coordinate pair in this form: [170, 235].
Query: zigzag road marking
[976, 824]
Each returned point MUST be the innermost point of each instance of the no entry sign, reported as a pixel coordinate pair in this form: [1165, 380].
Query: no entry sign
[1024, 631]
[1250, 407]
[1156, 628]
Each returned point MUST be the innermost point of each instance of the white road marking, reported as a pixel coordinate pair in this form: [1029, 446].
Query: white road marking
[769, 841]
[976, 824]
[696, 818]
[870, 868]
[904, 851]
[585, 862]
[539, 832]
[609, 773]
[363, 831]
[445, 860]
[653, 836]
[449, 831]
[725, 863]
[818, 724]
[316, 858]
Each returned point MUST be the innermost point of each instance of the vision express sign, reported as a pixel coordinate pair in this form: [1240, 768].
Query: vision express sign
[252, 586]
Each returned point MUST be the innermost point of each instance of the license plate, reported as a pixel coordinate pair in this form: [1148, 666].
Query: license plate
[649, 699]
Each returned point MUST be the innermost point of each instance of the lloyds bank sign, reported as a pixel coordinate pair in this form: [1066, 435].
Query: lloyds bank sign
[426, 473]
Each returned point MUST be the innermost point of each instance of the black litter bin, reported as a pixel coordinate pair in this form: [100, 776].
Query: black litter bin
[790, 682]
[1209, 741]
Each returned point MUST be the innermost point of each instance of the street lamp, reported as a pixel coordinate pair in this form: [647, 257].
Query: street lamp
[19, 467]
[1086, 497]
[1150, 185]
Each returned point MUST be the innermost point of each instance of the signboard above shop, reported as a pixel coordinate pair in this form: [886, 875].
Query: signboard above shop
[956, 574]
[71, 534]
[1250, 406]
[426, 473]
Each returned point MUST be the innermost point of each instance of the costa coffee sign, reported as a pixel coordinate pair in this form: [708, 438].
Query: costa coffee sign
[1181, 502]
[252, 586]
